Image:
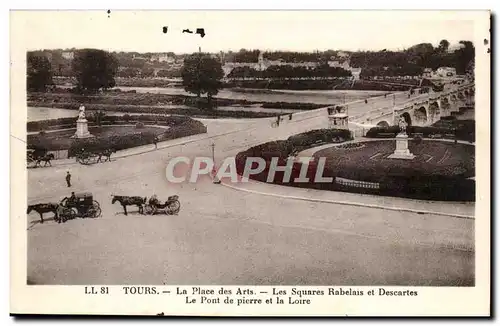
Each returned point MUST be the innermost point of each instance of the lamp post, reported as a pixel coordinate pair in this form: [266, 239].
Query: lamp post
[215, 179]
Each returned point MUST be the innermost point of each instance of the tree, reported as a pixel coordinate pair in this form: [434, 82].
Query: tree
[99, 116]
[128, 72]
[202, 74]
[39, 72]
[147, 72]
[94, 69]
[464, 56]
[443, 46]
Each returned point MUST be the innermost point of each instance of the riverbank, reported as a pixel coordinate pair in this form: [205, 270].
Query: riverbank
[134, 102]
[268, 84]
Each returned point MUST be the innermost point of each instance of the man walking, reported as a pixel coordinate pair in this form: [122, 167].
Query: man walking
[155, 141]
[68, 179]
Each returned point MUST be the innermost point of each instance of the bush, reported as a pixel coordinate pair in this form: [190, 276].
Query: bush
[113, 142]
[139, 125]
[309, 138]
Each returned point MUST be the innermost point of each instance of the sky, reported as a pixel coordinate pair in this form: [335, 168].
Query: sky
[142, 31]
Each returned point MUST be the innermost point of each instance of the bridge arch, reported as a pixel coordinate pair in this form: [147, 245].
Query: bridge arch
[420, 115]
[407, 118]
[434, 110]
[383, 124]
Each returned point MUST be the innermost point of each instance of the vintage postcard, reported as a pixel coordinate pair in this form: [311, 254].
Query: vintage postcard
[250, 163]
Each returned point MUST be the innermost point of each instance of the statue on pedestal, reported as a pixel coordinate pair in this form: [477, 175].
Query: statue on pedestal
[82, 129]
[402, 125]
[81, 115]
[402, 151]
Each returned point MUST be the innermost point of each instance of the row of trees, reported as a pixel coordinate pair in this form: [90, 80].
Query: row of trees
[148, 73]
[423, 55]
[288, 71]
[249, 56]
[408, 69]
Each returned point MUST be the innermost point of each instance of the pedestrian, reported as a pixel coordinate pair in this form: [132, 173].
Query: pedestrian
[155, 141]
[68, 178]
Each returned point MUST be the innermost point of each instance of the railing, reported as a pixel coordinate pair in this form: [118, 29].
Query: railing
[356, 183]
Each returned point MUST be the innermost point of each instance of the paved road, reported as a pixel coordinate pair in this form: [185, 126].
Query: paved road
[223, 236]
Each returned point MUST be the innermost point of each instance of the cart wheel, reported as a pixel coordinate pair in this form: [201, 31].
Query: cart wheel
[148, 209]
[174, 207]
[97, 212]
[73, 213]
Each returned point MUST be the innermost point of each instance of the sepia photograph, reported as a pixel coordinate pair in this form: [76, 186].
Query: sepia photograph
[214, 148]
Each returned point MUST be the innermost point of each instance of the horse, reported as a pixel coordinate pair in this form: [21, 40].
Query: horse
[46, 159]
[45, 208]
[107, 154]
[130, 201]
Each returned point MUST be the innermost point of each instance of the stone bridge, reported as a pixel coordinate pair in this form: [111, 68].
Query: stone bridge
[421, 110]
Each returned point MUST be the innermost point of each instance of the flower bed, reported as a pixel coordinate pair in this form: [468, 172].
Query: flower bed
[441, 170]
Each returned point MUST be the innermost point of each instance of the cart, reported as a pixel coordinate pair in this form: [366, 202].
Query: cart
[83, 205]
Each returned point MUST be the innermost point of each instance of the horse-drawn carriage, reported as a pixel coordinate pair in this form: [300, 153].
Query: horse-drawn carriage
[81, 205]
[35, 156]
[170, 207]
[87, 157]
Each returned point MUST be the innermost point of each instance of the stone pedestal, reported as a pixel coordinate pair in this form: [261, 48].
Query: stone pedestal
[82, 129]
[402, 151]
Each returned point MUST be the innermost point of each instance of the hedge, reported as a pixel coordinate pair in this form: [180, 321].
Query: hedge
[161, 120]
[462, 129]
[307, 139]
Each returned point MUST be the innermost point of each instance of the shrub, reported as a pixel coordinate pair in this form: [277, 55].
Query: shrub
[309, 138]
[139, 125]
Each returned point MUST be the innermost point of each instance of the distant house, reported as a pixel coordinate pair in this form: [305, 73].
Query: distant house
[68, 55]
[427, 72]
[356, 72]
[342, 54]
[138, 57]
[446, 72]
[162, 57]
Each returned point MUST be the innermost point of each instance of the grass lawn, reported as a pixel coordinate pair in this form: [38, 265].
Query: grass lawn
[371, 162]
[62, 139]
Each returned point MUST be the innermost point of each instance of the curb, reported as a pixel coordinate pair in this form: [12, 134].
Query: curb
[401, 209]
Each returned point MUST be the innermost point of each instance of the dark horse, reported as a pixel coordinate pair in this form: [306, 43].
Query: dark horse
[130, 201]
[46, 159]
[44, 208]
[106, 153]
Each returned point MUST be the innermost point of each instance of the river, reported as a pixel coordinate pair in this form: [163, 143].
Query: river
[327, 97]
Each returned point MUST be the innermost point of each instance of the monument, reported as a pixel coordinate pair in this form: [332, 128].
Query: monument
[338, 117]
[402, 151]
[82, 129]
